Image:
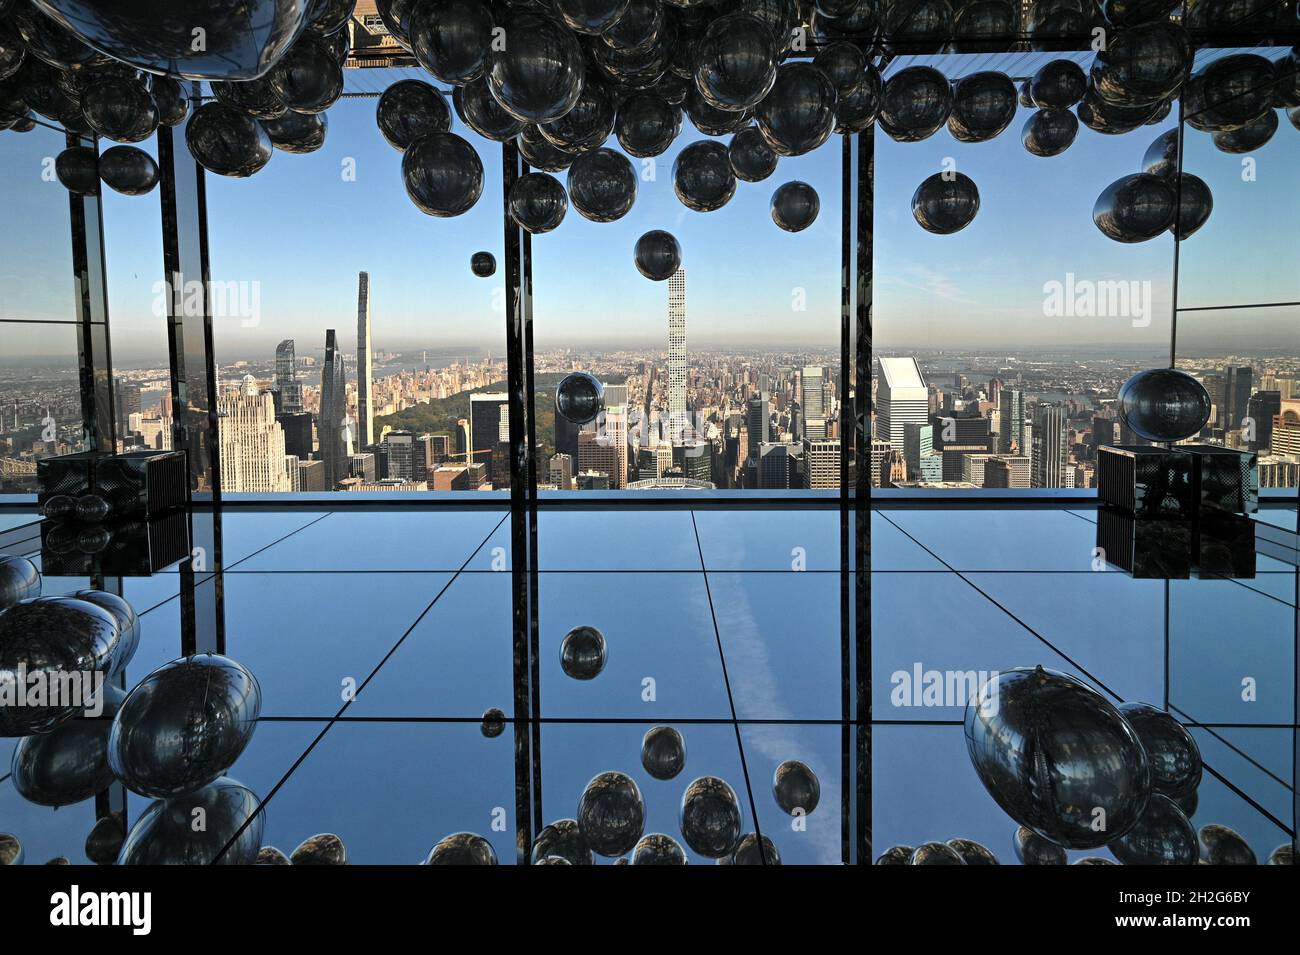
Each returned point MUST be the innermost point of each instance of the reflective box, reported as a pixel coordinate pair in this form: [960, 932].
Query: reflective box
[1144, 480]
[1160, 549]
[114, 548]
[1224, 479]
[134, 484]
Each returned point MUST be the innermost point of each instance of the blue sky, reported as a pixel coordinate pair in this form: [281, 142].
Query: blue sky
[302, 232]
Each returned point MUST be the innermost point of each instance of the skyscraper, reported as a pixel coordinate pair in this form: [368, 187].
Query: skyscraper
[812, 401]
[757, 412]
[901, 397]
[1050, 445]
[487, 414]
[333, 424]
[1262, 408]
[1240, 380]
[1011, 421]
[252, 444]
[677, 354]
[287, 385]
[365, 365]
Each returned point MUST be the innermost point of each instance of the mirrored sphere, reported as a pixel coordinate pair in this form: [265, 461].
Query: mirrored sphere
[1161, 836]
[752, 159]
[639, 27]
[973, 853]
[227, 142]
[799, 114]
[735, 62]
[1230, 92]
[1142, 64]
[325, 17]
[241, 41]
[128, 626]
[918, 20]
[1122, 13]
[753, 849]
[983, 105]
[1033, 849]
[1282, 855]
[983, 25]
[451, 38]
[710, 817]
[611, 814]
[587, 125]
[935, 853]
[538, 75]
[1172, 753]
[1111, 118]
[165, 835]
[896, 855]
[710, 120]
[483, 264]
[538, 202]
[592, 17]
[480, 112]
[1135, 208]
[1051, 751]
[663, 752]
[11, 850]
[270, 855]
[1164, 404]
[93, 508]
[562, 839]
[844, 63]
[104, 841]
[795, 206]
[1220, 845]
[702, 176]
[120, 109]
[1247, 138]
[647, 124]
[582, 651]
[916, 102]
[602, 185]
[60, 507]
[858, 109]
[68, 764]
[128, 170]
[1161, 157]
[19, 580]
[540, 153]
[397, 16]
[257, 97]
[579, 398]
[1049, 132]
[323, 849]
[77, 169]
[408, 109]
[462, 848]
[1188, 803]
[494, 722]
[796, 788]
[1058, 84]
[297, 132]
[946, 205]
[184, 725]
[1026, 100]
[443, 174]
[658, 255]
[658, 849]
[308, 79]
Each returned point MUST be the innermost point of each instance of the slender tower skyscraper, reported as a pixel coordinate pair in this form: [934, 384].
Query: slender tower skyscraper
[286, 378]
[332, 425]
[677, 355]
[365, 365]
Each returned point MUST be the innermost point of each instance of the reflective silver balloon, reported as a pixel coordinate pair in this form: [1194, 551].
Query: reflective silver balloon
[105, 839]
[443, 174]
[1223, 846]
[77, 168]
[69, 763]
[753, 849]
[1135, 208]
[538, 75]
[397, 16]
[539, 153]
[19, 580]
[184, 725]
[538, 202]
[592, 17]
[735, 62]
[710, 120]
[1282, 855]
[710, 817]
[638, 28]
[582, 651]
[1058, 24]
[451, 38]
[1058, 84]
[128, 170]
[1188, 803]
[408, 109]
[844, 63]
[172, 101]
[462, 848]
[11, 850]
[1093, 860]
[916, 102]
[935, 853]
[1033, 849]
[1230, 93]
[270, 855]
[1247, 138]
[983, 105]
[323, 849]
[752, 159]
[562, 839]
[611, 814]
[165, 834]
[1161, 157]
[984, 25]
[702, 176]
[1110, 118]
[658, 255]
[479, 111]
[483, 264]
[799, 114]
[297, 132]
[858, 109]
[663, 752]
[1050, 132]
[796, 788]
[226, 142]
[912, 22]
[946, 202]
[494, 723]
[658, 849]
[1052, 752]
[896, 855]
[602, 185]
[326, 17]
[1172, 753]
[120, 109]
[1123, 13]
[308, 79]
[240, 41]
[1161, 836]
[1164, 404]
[587, 125]
[1142, 65]
[128, 626]
[257, 97]
[795, 206]
[973, 853]
[647, 124]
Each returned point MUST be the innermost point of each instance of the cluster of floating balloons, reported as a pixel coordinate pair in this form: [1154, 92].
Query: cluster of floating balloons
[1076, 772]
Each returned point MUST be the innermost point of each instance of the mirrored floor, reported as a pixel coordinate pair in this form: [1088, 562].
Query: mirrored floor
[381, 639]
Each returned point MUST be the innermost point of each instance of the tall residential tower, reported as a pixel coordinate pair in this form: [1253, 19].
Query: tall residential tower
[677, 355]
[333, 426]
[365, 365]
